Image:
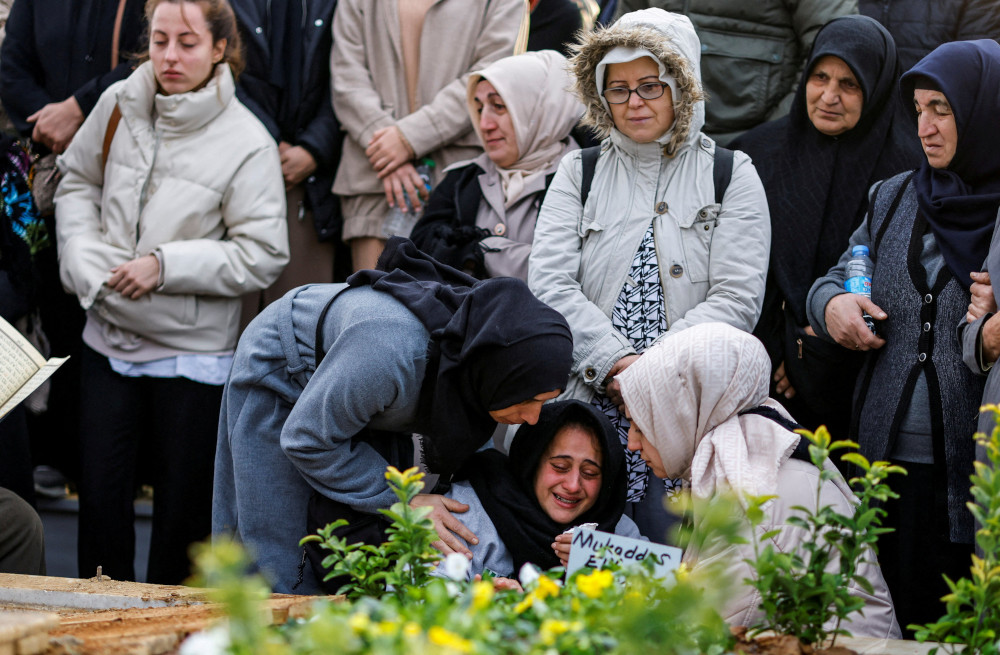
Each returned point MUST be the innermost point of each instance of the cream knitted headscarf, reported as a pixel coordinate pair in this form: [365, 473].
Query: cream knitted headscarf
[535, 87]
[685, 394]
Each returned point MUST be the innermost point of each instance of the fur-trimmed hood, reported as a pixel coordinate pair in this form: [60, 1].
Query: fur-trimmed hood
[671, 37]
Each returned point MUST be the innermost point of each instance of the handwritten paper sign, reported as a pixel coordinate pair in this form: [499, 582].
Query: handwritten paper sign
[624, 551]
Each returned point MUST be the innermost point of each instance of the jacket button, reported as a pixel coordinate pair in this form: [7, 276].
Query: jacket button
[311, 179]
[319, 22]
[928, 299]
[661, 207]
[921, 357]
[676, 270]
[708, 227]
[589, 374]
[927, 327]
[258, 30]
[705, 143]
[500, 229]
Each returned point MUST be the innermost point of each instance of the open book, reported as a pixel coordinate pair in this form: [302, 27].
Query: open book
[22, 367]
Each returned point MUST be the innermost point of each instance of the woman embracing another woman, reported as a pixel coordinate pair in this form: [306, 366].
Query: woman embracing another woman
[171, 207]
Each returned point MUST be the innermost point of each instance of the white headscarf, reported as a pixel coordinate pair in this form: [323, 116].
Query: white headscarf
[535, 87]
[685, 395]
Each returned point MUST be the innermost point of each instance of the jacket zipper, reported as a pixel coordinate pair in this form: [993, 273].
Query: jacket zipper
[143, 195]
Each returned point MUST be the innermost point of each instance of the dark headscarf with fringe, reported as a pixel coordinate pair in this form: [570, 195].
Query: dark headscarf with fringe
[960, 202]
[493, 345]
[505, 485]
[817, 185]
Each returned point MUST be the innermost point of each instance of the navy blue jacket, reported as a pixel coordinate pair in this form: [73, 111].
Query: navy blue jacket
[305, 118]
[55, 49]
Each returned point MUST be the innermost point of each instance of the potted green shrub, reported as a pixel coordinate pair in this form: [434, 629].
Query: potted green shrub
[805, 593]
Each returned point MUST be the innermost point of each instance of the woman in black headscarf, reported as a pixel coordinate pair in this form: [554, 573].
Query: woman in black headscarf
[329, 383]
[566, 470]
[915, 401]
[817, 164]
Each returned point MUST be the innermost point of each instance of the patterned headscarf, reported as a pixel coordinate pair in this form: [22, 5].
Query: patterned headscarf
[685, 394]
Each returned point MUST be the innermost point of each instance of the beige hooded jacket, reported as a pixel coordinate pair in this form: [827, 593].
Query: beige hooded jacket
[368, 82]
[712, 257]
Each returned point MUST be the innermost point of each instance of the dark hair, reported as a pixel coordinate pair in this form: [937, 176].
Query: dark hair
[585, 424]
[221, 24]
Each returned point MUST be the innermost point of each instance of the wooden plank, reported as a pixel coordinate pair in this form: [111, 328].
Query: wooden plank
[153, 631]
[26, 633]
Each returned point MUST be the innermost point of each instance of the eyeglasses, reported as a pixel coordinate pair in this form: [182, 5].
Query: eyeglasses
[618, 95]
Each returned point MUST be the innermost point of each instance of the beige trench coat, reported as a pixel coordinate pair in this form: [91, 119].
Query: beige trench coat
[368, 82]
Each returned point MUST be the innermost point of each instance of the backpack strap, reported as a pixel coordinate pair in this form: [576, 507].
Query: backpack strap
[722, 172]
[117, 34]
[801, 451]
[588, 159]
[109, 135]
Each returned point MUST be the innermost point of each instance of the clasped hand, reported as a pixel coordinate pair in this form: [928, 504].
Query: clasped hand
[845, 323]
[135, 278]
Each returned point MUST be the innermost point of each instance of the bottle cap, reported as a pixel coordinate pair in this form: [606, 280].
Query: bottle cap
[857, 251]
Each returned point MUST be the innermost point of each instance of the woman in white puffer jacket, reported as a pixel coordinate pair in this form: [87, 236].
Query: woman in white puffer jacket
[171, 206]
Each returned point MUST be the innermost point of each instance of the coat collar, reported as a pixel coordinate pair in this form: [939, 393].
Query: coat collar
[179, 113]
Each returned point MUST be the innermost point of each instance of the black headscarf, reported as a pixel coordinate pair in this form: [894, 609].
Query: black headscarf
[506, 484]
[817, 185]
[961, 201]
[493, 345]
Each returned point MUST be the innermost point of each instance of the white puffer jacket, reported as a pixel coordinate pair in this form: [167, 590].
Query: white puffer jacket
[712, 258]
[194, 176]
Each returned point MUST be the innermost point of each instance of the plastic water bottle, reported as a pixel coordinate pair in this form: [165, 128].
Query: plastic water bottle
[859, 278]
[400, 221]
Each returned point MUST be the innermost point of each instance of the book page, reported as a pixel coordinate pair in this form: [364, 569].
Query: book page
[32, 383]
[22, 367]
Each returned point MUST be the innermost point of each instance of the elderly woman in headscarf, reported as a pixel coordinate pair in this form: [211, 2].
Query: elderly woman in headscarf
[916, 402]
[562, 472]
[843, 134]
[700, 410]
[653, 232]
[481, 217]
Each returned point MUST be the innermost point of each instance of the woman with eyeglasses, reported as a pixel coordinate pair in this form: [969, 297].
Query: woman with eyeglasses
[671, 232]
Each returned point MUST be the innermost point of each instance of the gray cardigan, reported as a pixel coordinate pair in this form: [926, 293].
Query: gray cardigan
[921, 340]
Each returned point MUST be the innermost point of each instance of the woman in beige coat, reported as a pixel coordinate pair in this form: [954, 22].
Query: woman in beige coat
[700, 411]
[398, 89]
[158, 242]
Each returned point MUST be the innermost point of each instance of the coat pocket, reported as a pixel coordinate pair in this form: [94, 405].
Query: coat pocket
[696, 240]
[745, 64]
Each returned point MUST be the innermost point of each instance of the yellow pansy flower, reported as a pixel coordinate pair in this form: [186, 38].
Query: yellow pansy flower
[482, 594]
[447, 639]
[594, 584]
[525, 604]
[551, 629]
[359, 622]
[546, 587]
